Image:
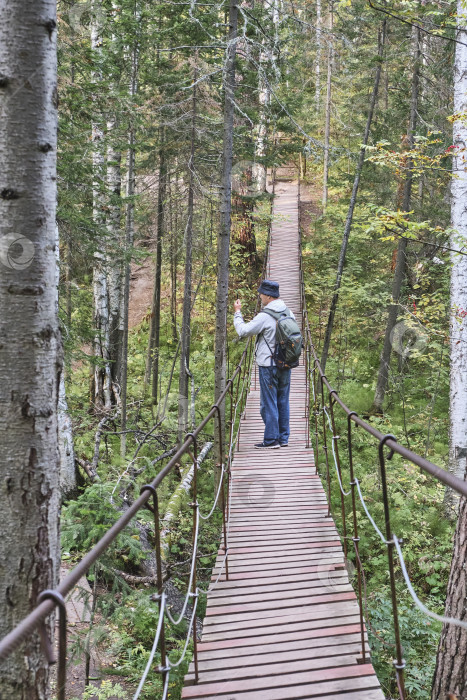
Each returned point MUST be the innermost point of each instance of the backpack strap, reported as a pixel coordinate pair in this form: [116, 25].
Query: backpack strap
[275, 314]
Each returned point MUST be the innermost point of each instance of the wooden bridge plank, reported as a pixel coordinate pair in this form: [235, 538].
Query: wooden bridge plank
[287, 623]
[294, 650]
[367, 691]
[295, 625]
[243, 645]
[351, 673]
[280, 667]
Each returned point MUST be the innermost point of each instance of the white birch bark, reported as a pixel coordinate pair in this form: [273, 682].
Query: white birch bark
[30, 342]
[318, 56]
[65, 428]
[327, 119]
[102, 374]
[259, 169]
[115, 241]
[450, 678]
[67, 453]
[458, 323]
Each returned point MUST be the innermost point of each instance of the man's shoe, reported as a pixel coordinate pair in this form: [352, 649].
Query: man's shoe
[264, 446]
[284, 444]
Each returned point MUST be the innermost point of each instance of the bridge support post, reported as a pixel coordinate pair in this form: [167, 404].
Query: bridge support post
[399, 662]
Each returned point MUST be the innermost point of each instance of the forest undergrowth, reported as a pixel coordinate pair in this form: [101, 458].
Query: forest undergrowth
[124, 618]
[415, 411]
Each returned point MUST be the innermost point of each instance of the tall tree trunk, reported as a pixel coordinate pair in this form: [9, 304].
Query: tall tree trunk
[129, 239]
[451, 661]
[115, 263]
[187, 291]
[65, 428]
[458, 321]
[327, 119]
[264, 96]
[399, 271]
[318, 58]
[223, 238]
[152, 364]
[353, 201]
[68, 281]
[30, 342]
[173, 259]
[102, 375]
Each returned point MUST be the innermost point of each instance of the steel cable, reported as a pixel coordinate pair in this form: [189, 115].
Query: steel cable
[344, 493]
[193, 616]
[221, 483]
[383, 539]
[416, 599]
[192, 574]
[154, 648]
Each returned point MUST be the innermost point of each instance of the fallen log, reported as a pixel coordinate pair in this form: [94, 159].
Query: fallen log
[178, 497]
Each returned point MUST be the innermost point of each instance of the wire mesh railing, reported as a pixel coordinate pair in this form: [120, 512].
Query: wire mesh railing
[322, 400]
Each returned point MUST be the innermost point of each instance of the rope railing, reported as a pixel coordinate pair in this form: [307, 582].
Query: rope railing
[322, 400]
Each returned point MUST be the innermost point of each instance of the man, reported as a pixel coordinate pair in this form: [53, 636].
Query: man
[274, 382]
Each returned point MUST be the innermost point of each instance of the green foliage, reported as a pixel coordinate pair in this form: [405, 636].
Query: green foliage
[419, 636]
[106, 691]
[86, 519]
[283, 54]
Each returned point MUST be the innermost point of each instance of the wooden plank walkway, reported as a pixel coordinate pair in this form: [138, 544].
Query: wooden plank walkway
[286, 623]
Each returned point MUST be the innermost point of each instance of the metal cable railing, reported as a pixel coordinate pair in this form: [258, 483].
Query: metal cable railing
[320, 404]
[51, 599]
[236, 389]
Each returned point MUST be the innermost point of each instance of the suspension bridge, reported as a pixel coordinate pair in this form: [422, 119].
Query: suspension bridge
[286, 623]
[282, 619]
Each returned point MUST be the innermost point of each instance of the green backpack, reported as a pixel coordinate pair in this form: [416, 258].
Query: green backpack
[288, 339]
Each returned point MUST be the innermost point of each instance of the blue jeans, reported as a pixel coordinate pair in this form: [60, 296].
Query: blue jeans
[274, 403]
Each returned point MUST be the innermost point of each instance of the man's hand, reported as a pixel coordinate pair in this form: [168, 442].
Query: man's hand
[237, 305]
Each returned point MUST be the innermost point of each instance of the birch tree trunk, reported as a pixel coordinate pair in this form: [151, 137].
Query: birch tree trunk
[399, 271]
[65, 428]
[102, 375]
[115, 265]
[129, 239]
[458, 326]
[318, 57]
[259, 169]
[327, 118]
[185, 338]
[353, 201]
[30, 342]
[451, 663]
[223, 238]
[67, 453]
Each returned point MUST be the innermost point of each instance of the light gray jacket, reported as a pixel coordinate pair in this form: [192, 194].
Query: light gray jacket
[264, 324]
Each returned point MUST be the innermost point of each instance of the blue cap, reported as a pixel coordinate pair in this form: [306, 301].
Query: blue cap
[271, 289]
